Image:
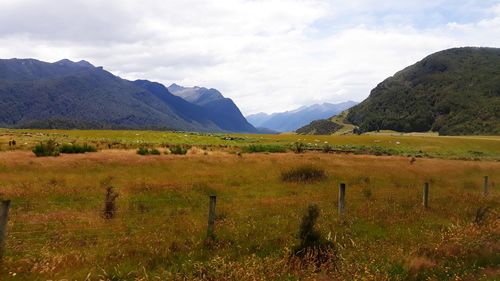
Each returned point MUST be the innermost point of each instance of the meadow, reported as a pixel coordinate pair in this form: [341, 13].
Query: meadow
[419, 145]
[57, 230]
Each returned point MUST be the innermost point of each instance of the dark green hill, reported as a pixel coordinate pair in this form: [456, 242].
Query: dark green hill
[453, 92]
[319, 127]
[334, 125]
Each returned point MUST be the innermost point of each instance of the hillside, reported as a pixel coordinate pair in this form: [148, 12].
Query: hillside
[66, 94]
[453, 92]
[336, 125]
[291, 120]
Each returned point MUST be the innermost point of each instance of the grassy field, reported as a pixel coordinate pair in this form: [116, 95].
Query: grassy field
[473, 147]
[57, 230]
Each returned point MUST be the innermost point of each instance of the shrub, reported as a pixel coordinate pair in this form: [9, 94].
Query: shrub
[142, 151]
[147, 151]
[109, 199]
[327, 148]
[298, 147]
[76, 148]
[481, 215]
[48, 148]
[304, 173]
[367, 192]
[256, 148]
[179, 149]
[312, 247]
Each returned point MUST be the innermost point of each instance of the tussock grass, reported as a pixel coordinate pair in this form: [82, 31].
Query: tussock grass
[304, 174]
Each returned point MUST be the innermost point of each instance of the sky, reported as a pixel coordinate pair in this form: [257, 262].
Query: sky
[267, 55]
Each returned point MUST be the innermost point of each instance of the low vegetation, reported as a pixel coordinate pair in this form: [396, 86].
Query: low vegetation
[52, 148]
[44, 149]
[109, 199]
[313, 249]
[179, 149]
[473, 147]
[254, 148]
[76, 148]
[148, 151]
[298, 147]
[304, 174]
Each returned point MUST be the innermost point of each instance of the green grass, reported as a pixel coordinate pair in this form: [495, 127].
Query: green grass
[473, 147]
[264, 148]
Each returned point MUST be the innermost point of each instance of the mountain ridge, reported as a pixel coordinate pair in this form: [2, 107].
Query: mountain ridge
[67, 94]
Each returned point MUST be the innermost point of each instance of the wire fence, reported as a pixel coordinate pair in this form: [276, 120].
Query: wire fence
[34, 224]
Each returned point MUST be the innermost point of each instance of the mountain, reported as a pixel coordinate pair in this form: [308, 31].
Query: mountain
[453, 92]
[228, 114]
[291, 120]
[66, 94]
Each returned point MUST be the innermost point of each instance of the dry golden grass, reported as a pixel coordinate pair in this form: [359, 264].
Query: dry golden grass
[56, 230]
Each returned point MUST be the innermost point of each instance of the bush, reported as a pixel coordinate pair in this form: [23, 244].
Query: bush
[298, 147]
[46, 149]
[147, 151]
[179, 149]
[76, 148]
[254, 148]
[304, 173]
[142, 151]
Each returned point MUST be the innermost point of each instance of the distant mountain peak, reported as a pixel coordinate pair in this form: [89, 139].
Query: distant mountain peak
[84, 63]
[197, 95]
[293, 119]
[175, 88]
[67, 62]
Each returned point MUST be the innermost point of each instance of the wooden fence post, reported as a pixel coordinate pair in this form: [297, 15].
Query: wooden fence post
[341, 200]
[4, 215]
[425, 195]
[485, 187]
[211, 217]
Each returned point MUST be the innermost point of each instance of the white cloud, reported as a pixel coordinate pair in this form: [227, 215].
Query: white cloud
[267, 55]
